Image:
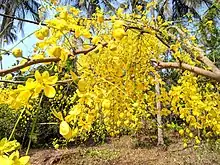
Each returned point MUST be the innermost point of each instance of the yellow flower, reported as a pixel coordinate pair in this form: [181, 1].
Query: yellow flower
[44, 83]
[37, 56]
[181, 132]
[106, 104]
[95, 40]
[55, 51]
[112, 46]
[86, 34]
[24, 160]
[77, 32]
[74, 11]
[9, 77]
[24, 96]
[121, 115]
[82, 85]
[63, 14]
[118, 24]
[39, 35]
[74, 76]
[100, 18]
[139, 7]
[58, 24]
[25, 92]
[119, 33]
[5, 160]
[42, 33]
[17, 52]
[65, 130]
[59, 52]
[23, 61]
[191, 134]
[120, 11]
[45, 31]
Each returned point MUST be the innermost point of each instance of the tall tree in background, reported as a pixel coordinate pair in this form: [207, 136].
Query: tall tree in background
[15, 8]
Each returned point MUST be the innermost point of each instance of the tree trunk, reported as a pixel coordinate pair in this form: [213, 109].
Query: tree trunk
[1, 46]
[159, 118]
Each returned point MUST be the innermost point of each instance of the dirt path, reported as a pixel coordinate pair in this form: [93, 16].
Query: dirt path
[123, 152]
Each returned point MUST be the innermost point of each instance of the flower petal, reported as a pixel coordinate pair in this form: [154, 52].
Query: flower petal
[49, 91]
[38, 76]
[26, 68]
[30, 83]
[38, 89]
[51, 80]
[64, 128]
[24, 160]
[82, 85]
[69, 135]
[24, 96]
[45, 75]
[74, 76]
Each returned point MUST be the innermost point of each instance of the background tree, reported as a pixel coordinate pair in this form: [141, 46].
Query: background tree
[15, 8]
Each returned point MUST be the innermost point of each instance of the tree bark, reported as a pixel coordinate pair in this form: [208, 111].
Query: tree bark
[160, 140]
[209, 74]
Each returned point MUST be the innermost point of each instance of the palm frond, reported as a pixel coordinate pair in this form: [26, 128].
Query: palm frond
[18, 8]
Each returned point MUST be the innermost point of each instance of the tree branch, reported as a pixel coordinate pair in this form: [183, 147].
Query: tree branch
[28, 63]
[12, 82]
[187, 46]
[149, 32]
[194, 69]
[87, 50]
[45, 60]
[20, 19]
[206, 60]
[23, 82]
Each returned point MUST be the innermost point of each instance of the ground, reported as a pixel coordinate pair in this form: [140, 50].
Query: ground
[124, 151]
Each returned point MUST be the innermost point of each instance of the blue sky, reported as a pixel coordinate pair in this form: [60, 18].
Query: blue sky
[26, 46]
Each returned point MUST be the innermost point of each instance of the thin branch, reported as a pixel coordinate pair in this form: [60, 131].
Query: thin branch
[64, 81]
[20, 19]
[12, 82]
[86, 51]
[23, 82]
[148, 32]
